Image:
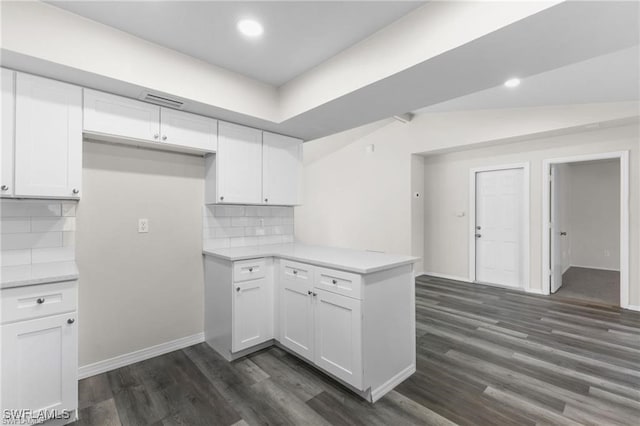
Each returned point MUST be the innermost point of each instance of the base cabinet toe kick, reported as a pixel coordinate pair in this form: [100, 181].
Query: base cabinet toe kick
[357, 328]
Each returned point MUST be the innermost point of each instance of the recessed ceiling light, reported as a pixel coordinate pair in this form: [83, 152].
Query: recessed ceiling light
[512, 82]
[250, 27]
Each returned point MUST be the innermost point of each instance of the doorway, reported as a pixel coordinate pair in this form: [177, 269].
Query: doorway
[585, 244]
[499, 243]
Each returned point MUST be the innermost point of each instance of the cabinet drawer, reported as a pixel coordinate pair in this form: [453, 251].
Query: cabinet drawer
[339, 282]
[249, 269]
[28, 302]
[296, 271]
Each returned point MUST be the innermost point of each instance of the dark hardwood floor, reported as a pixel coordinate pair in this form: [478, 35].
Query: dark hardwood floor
[485, 356]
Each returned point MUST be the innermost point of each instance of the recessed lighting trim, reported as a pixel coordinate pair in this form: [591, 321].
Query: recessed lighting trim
[250, 27]
[512, 82]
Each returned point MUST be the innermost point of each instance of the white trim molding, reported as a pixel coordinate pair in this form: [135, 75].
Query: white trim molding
[139, 355]
[623, 156]
[632, 307]
[526, 225]
[447, 277]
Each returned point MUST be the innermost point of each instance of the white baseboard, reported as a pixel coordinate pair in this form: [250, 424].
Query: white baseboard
[137, 356]
[536, 291]
[386, 387]
[632, 307]
[594, 267]
[447, 277]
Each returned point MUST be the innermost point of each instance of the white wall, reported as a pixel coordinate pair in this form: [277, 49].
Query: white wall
[594, 214]
[138, 290]
[364, 200]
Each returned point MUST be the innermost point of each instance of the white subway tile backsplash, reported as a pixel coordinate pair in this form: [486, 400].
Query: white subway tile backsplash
[237, 226]
[53, 224]
[228, 210]
[36, 231]
[245, 221]
[31, 240]
[216, 222]
[56, 254]
[15, 257]
[13, 225]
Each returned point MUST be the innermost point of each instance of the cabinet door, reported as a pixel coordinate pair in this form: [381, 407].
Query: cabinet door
[239, 164]
[252, 314]
[296, 317]
[48, 149]
[114, 115]
[282, 167]
[188, 130]
[40, 363]
[8, 121]
[338, 336]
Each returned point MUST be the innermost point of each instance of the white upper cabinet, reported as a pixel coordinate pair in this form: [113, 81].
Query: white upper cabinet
[238, 165]
[117, 119]
[281, 169]
[48, 138]
[114, 115]
[7, 78]
[190, 130]
[253, 167]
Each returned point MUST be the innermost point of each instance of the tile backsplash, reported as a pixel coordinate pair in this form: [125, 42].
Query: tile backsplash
[35, 231]
[241, 226]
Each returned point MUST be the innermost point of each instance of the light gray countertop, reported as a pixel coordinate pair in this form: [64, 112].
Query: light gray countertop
[358, 261]
[39, 273]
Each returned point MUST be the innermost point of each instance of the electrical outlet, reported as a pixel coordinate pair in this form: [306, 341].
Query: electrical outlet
[143, 225]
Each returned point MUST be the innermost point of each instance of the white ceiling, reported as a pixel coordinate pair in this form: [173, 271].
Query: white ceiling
[297, 37]
[614, 77]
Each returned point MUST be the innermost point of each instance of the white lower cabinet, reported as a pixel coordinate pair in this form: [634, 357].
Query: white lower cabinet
[251, 314]
[337, 329]
[40, 353]
[296, 316]
[366, 342]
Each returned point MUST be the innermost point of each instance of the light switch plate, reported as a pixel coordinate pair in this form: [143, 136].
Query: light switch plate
[143, 225]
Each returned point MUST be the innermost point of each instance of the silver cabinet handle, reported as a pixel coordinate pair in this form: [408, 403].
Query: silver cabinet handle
[295, 272]
[309, 292]
[478, 235]
[4, 187]
[250, 269]
[71, 320]
[266, 200]
[40, 300]
[75, 190]
[164, 137]
[221, 198]
[478, 227]
[315, 294]
[334, 281]
[238, 289]
[563, 233]
[156, 136]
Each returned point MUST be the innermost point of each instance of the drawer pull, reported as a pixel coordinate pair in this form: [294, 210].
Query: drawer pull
[334, 281]
[238, 289]
[295, 272]
[250, 269]
[71, 320]
[40, 300]
[309, 292]
[315, 294]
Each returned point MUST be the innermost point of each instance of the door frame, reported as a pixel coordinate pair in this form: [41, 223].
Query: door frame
[526, 193]
[623, 157]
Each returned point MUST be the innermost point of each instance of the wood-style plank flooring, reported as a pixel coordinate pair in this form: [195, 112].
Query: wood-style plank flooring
[486, 356]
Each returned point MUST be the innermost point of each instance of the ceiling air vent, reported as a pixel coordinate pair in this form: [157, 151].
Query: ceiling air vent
[161, 100]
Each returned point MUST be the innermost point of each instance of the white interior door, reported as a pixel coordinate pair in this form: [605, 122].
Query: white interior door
[499, 227]
[555, 231]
